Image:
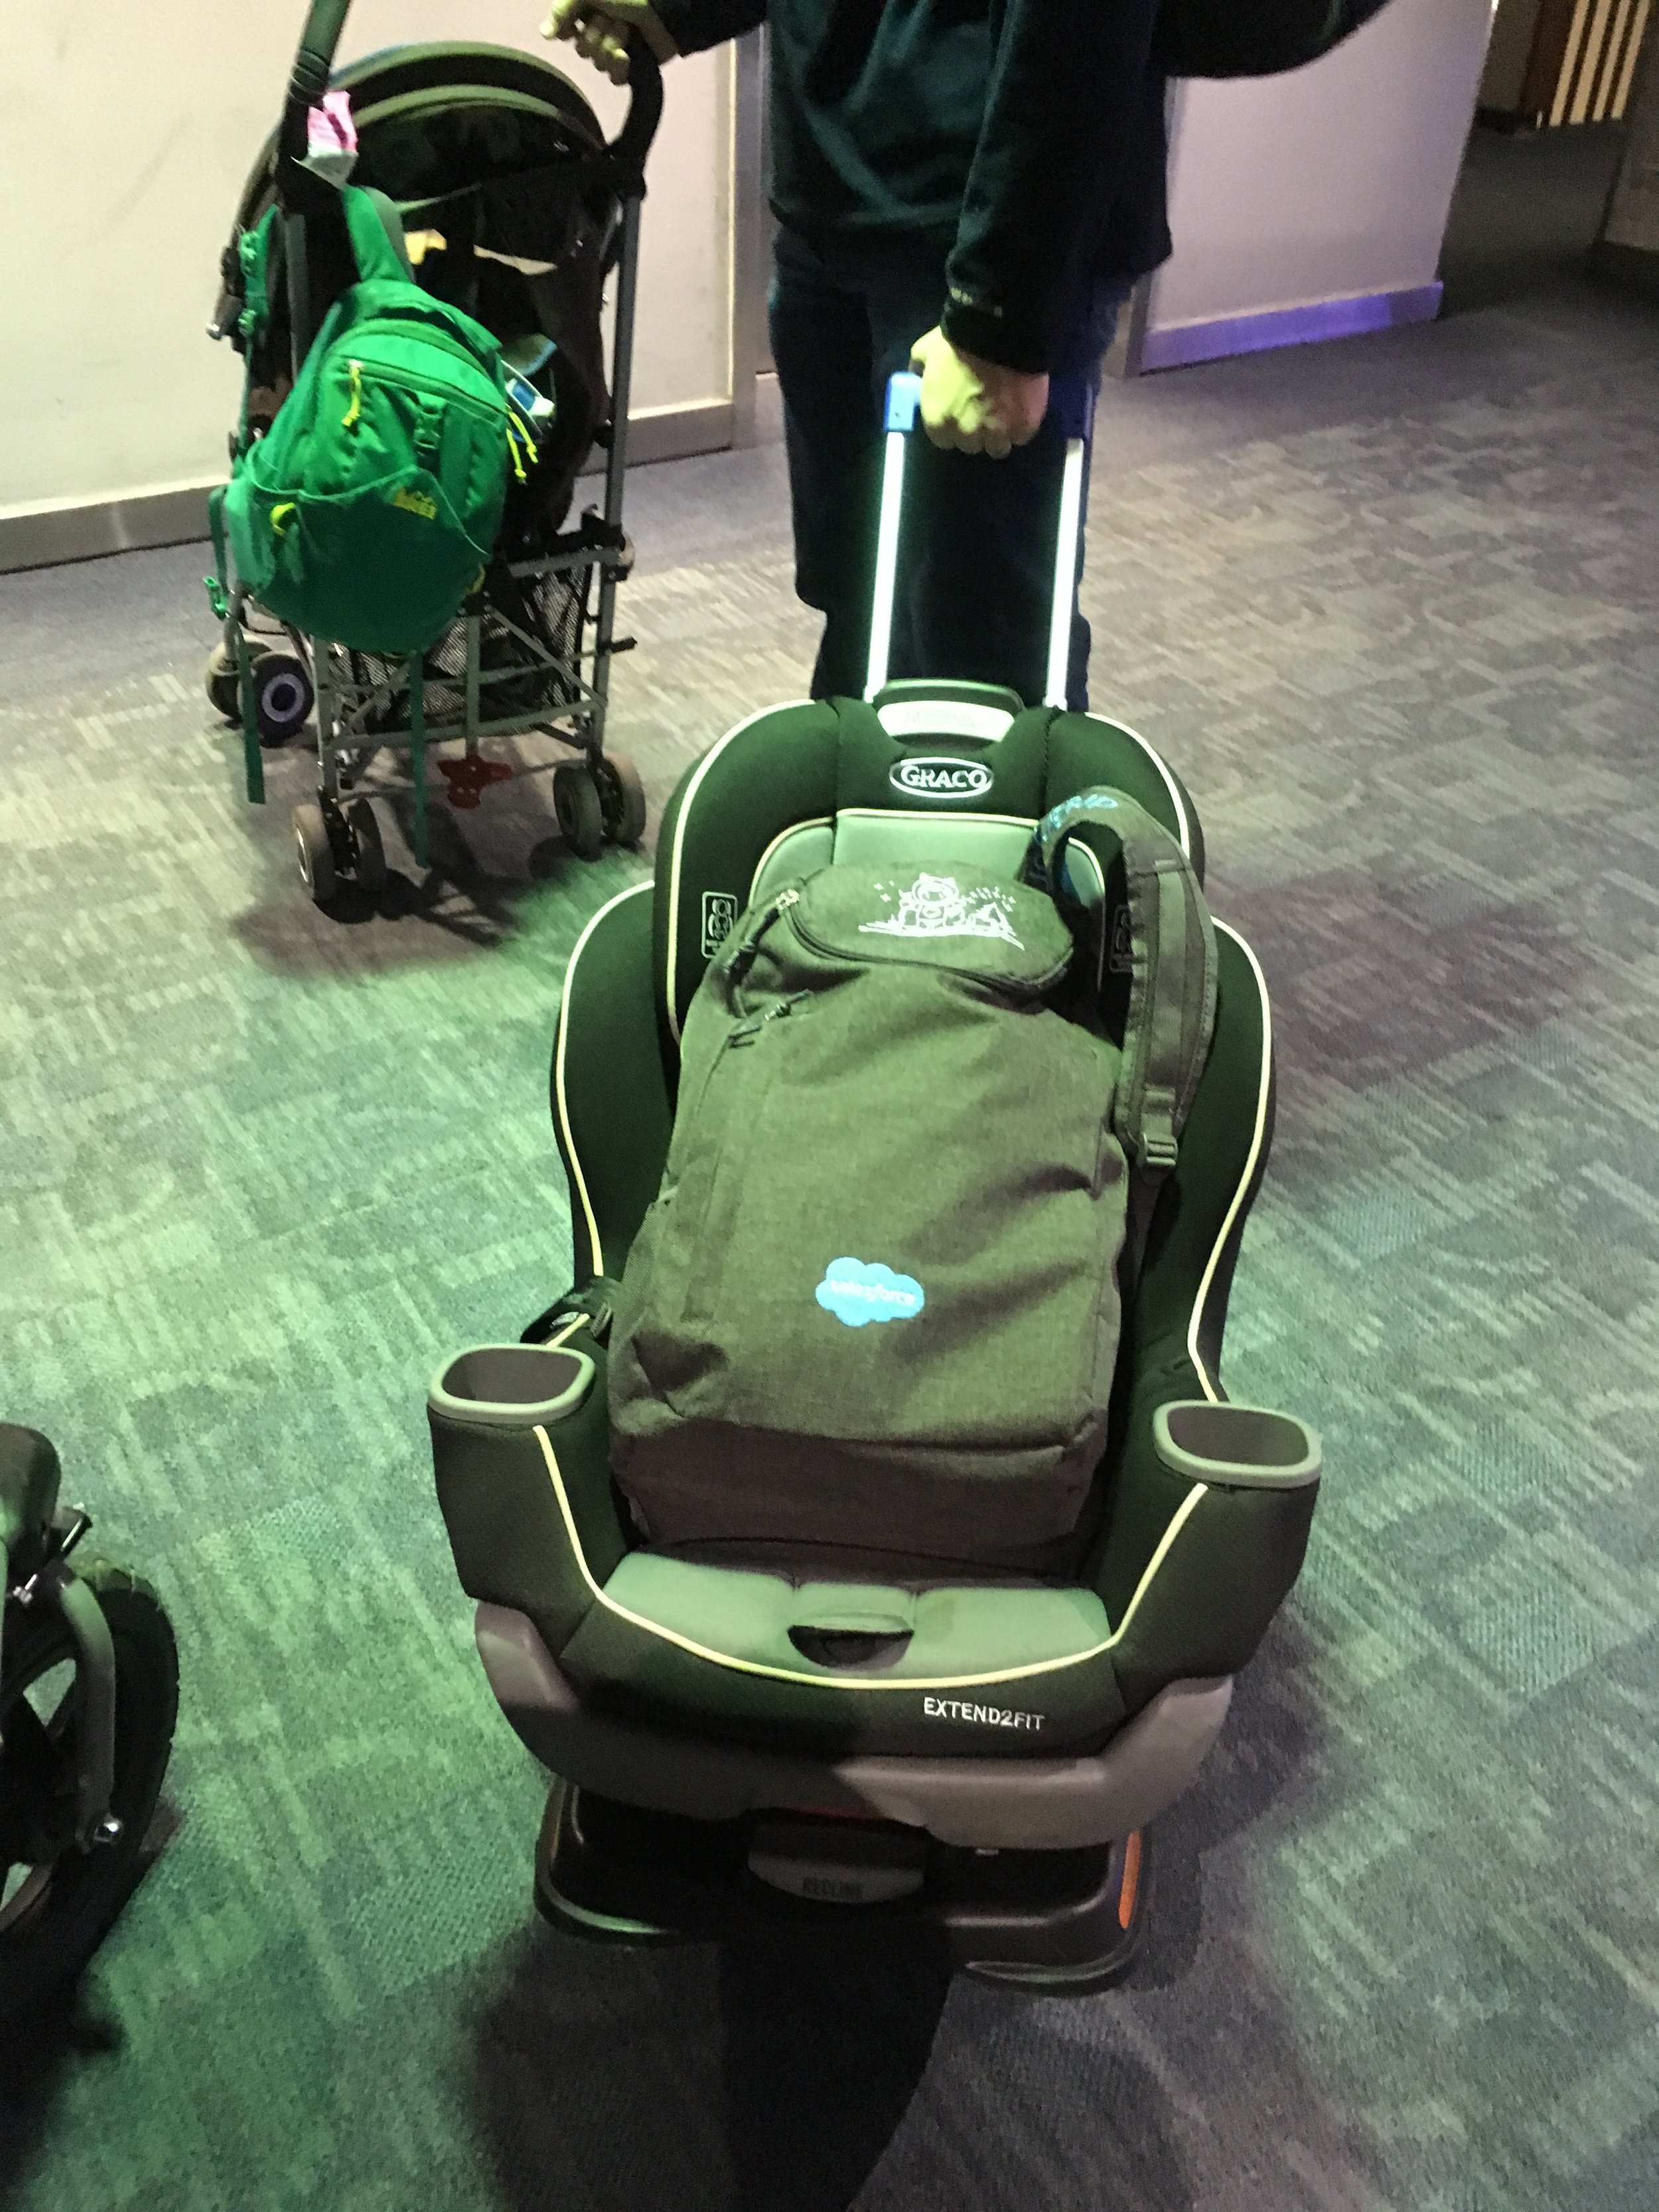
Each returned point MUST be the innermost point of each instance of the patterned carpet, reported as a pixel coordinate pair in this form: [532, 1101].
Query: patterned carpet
[1393, 608]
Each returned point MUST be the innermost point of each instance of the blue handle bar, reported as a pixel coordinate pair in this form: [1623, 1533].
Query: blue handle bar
[1071, 404]
[904, 399]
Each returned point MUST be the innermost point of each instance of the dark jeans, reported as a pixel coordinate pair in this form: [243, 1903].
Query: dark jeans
[976, 559]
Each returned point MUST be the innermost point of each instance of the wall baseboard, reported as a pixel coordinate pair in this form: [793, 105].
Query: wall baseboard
[671, 434]
[43, 537]
[40, 538]
[1178, 345]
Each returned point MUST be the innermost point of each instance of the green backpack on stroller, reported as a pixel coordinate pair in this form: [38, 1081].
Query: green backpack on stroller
[366, 513]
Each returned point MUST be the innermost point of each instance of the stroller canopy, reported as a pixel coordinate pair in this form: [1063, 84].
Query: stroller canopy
[499, 169]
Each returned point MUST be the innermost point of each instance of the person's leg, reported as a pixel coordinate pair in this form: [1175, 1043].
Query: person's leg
[821, 345]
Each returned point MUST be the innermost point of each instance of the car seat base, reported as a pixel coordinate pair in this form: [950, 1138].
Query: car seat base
[1062, 1922]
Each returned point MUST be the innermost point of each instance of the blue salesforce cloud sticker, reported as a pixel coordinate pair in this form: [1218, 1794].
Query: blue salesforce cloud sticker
[856, 1294]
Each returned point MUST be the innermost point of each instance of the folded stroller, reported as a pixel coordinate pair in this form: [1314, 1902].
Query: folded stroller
[499, 196]
[752, 1738]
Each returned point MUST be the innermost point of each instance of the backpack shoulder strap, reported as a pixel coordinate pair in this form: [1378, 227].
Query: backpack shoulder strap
[1172, 955]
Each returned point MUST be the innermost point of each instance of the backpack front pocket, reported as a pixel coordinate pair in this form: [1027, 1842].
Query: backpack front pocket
[382, 569]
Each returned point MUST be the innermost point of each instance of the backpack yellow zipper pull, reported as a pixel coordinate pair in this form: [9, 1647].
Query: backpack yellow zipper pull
[356, 408]
[515, 430]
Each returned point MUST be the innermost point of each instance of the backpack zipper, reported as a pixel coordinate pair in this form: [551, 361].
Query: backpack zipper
[417, 327]
[743, 959]
[746, 1031]
[406, 380]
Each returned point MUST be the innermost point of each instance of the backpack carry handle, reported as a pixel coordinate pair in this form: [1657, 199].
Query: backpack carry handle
[1072, 406]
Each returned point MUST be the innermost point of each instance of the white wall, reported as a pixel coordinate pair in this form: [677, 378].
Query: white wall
[1332, 181]
[129, 127]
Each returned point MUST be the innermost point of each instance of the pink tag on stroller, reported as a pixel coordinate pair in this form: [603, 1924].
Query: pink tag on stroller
[331, 128]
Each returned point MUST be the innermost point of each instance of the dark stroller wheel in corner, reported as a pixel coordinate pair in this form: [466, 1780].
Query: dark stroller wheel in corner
[578, 810]
[57, 1900]
[316, 853]
[368, 853]
[621, 798]
[283, 696]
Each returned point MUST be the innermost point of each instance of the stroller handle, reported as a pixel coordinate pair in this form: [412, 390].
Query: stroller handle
[314, 64]
[633, 142]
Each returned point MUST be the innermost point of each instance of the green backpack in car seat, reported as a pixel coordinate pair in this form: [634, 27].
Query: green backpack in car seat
[876, 1302]
[366, 513]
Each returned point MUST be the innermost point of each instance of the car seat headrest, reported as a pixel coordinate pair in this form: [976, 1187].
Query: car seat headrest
[798, 786]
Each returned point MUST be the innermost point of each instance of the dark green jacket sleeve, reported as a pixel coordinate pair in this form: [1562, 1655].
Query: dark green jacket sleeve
[694, 24]
[1067, 99]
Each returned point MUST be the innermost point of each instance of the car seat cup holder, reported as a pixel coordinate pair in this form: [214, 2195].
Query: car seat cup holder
[511, 1386]
[1236, 1447]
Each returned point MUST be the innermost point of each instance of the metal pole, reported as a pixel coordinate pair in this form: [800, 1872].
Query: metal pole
[621, 377]
[1060, 619]
[252, 760]
[417, 749]
[904, 399]
[887, 536]
[751, 230]
[327, 709]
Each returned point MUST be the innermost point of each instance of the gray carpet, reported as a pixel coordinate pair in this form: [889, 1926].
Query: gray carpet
[1390, 607]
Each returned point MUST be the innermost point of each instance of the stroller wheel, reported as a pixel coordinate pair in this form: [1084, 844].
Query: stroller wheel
[621, 798]
[317, 871]
[369, 862]
[578, 810]
[58, 1901]
[223, 688]
[284, 695]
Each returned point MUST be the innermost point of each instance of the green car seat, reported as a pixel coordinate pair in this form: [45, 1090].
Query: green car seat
[745, 1745]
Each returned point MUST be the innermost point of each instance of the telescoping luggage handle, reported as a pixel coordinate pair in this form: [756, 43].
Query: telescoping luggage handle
[1072, 404]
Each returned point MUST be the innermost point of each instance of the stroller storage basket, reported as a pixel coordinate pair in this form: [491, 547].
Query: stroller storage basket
[516, 661]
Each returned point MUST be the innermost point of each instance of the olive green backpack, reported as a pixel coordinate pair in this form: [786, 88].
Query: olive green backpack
[367, 512]
[922, 1114]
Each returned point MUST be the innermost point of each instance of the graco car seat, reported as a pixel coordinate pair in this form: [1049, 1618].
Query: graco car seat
[747, 1741]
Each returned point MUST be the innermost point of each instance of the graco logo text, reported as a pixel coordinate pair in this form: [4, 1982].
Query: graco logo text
[940, 778]
[952, 1709]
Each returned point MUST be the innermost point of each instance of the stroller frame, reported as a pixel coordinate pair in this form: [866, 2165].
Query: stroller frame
[367, 706]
